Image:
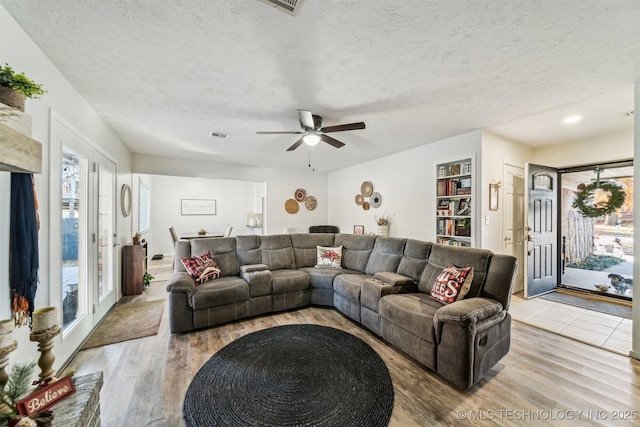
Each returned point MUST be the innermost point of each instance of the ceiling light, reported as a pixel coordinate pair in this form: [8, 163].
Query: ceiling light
[311, 138]
[572, 119]
[219, 135]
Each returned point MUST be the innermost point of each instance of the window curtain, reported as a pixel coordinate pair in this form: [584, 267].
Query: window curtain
[23, 247]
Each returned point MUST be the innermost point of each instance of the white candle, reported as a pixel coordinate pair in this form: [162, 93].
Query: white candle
[44, 319]
[6, 333]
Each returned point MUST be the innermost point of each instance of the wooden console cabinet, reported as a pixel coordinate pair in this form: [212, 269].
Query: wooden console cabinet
[134, 265]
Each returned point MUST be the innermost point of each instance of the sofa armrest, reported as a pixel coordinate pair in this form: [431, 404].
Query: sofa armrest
[393, 279]
[250, 268]
[466, 313]
[181, 282]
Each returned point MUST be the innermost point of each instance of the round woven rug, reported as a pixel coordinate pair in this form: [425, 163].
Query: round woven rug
[295, 375]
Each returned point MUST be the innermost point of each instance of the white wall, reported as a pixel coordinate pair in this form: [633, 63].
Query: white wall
[600, 149]
[407, 183]
[496, 151]
[234, 199]
[281, 185]
[19, 51]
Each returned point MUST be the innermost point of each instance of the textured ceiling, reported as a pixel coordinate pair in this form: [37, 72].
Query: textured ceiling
[165, 74]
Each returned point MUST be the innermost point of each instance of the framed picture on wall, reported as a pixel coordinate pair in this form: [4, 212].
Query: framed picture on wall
[198, 207]
[358, 229]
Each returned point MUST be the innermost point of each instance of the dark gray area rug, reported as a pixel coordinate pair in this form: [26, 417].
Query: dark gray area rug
[590, 304]
[294, 375]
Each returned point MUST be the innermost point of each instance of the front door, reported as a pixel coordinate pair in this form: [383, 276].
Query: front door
[541, 243]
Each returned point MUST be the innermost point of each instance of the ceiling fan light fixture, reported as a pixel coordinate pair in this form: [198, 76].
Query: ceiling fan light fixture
[311, 139]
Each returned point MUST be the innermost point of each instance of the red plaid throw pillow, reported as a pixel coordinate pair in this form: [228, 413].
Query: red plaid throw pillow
[202, 268]
[452, 284]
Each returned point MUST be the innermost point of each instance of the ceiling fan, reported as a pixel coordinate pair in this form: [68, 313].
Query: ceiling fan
[312, 131]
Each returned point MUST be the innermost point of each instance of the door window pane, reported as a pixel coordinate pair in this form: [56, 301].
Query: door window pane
[74, 236]
[105, 231]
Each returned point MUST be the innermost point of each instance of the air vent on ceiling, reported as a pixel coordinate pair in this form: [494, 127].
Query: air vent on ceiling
[289, 6]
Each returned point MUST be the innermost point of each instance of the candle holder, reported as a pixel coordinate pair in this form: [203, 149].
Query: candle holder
[4, 362]
[45, 329]
[7, 345]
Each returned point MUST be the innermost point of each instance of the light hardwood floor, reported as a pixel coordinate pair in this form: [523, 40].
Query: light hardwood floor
[545, 379]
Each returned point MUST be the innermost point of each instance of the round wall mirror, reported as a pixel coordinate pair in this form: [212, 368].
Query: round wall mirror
[125, 200]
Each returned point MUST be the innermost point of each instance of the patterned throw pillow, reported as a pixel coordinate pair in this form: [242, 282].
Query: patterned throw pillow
[452, 284]
[329, 257]
[202, 268]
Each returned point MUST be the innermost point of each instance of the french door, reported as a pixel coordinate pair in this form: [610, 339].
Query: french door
[85, 228]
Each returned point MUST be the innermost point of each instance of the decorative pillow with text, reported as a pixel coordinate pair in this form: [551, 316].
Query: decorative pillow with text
[202, 268]
[452, 284]
[329, 257]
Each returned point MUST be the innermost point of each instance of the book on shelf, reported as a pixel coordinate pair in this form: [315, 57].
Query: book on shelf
[463, 207]
[452, 242]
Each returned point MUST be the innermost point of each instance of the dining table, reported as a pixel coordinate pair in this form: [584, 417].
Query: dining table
[196, 235]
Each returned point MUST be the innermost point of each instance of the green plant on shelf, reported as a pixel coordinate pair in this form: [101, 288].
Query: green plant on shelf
[147, 278]
[20, 83]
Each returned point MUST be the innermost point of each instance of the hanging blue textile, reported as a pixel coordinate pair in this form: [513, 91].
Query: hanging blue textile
[23, 246]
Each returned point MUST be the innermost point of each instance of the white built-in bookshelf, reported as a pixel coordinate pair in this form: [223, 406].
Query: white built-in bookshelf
[454, 215]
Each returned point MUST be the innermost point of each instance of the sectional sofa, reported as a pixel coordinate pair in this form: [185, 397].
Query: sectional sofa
[383, 283]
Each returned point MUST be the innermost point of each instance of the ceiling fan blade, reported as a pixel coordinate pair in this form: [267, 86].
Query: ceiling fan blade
[293, 132]
[306, 119]
[341, 128]
[295, 145]
[331, 141]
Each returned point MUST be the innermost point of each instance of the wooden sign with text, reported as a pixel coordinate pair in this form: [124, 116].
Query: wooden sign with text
[46, 397]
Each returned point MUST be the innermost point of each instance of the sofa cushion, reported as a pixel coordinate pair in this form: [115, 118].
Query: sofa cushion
[323, 277]
[441, 256]
[305, 247]
[414, 258]
[355, 250]
[386, 255]
[411, 312]
[349, 285]
[329, 257]
[277, 252]
[223, 252]
[283, 281]
[452, 284]
[201, 268]
[223, 291]
[249, 249]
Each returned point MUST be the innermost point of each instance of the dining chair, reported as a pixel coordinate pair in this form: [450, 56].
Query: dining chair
[227, 231]
[174, 235]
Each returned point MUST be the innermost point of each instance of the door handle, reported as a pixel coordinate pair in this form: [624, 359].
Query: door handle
[507, 239]
[530, 240]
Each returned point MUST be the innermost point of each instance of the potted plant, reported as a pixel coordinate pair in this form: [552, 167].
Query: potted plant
[383, 224]
[147, 278]
[15, 87]
[136, 238]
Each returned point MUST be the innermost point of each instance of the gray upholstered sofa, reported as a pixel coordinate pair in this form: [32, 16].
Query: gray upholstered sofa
[384, 284]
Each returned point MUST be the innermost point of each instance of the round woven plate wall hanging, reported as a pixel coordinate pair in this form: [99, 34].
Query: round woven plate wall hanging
[366, 188]
[310, 203]
[366, 206]
[300, 194]
[291, 206]
[376, 200]
[359, 199]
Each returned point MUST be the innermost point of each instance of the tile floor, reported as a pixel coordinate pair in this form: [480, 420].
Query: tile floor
[591, 327]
